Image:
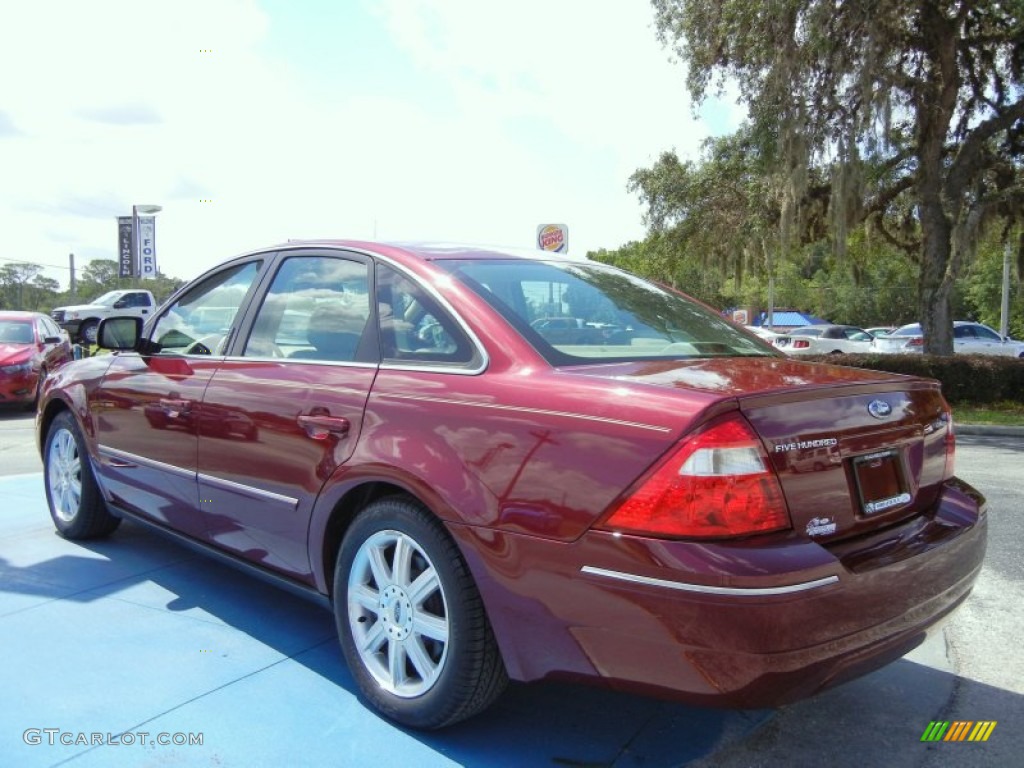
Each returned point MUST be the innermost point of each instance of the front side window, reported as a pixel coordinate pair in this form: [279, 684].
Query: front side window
[317, 308]
[984, 333]
[50, 328]
[579, 312]
[199, 322]
[137, 300]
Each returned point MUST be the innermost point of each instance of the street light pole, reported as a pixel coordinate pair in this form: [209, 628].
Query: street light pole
[1004, 309]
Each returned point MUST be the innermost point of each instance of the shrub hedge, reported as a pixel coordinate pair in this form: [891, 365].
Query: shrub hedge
[975, 379]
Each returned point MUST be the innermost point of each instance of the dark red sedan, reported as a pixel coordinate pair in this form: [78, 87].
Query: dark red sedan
[31, 347]
[671, 507]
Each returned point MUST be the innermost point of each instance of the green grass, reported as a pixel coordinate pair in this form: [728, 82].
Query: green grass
[1007, 414]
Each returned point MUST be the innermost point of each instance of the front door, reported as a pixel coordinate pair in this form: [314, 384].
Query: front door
[147, 405]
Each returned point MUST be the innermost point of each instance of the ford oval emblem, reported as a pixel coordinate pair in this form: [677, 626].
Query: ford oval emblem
[879, 409]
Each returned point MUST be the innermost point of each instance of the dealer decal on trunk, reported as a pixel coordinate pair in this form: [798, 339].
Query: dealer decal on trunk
[821, 526]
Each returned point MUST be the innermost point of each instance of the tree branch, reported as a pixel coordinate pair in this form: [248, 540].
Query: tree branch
[967, 161]
[882, 201]
[913, 250]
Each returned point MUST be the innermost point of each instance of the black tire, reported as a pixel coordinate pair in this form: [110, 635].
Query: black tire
[87, 332]
[440, 679]
[76, 504]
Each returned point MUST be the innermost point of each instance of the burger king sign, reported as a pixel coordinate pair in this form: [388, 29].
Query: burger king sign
[553, 237]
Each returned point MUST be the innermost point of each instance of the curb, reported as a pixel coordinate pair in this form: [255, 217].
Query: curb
[991, 430]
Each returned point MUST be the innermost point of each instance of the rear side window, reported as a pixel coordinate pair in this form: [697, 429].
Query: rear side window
[415, 328]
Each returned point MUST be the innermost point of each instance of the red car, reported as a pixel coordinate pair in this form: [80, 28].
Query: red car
[677, 509]
[31, 347]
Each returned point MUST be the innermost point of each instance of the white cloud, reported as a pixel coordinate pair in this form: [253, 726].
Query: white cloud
[547, 109]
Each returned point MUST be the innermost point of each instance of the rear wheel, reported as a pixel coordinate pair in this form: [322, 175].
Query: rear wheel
[411, 622]
[76, 505]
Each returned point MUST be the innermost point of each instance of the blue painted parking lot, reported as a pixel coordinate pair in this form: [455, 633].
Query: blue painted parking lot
[134, 651]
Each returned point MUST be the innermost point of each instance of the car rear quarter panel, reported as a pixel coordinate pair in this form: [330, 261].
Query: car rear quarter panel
[536, 452]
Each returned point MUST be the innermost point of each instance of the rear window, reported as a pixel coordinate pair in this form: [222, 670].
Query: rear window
[579, 312]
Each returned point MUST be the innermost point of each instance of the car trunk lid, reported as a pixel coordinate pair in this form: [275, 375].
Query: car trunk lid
[854, 462]
[854, 450]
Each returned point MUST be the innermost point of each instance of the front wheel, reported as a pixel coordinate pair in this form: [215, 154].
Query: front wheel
[88, 331]
[411, 621]
[76, 505]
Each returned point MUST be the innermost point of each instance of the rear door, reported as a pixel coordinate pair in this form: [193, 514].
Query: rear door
[285, 409]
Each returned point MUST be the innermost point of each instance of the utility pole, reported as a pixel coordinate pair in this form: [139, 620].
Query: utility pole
[1004, 309]
[73, 290]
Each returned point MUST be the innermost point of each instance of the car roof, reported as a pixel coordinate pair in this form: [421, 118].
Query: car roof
[17, 314]
[433, 251]
[956, 324]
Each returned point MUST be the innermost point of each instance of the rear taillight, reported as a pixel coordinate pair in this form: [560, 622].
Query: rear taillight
[950, 447]
[801, 344]
[716, 483]
[917, 341]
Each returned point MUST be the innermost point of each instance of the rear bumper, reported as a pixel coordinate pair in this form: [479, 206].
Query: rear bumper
[755, 623]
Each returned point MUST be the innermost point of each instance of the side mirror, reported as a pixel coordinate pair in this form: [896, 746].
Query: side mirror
[119, 333]
[53, 340]
[120, 303]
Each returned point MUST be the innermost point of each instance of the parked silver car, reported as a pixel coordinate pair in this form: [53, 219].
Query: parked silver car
[968, 339]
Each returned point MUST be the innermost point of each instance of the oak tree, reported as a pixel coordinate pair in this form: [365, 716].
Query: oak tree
[929, 92]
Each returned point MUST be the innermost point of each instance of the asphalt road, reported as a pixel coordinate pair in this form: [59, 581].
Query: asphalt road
[18, 452]
[971, 670]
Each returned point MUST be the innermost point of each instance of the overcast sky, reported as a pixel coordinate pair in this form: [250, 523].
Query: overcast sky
[255, 121]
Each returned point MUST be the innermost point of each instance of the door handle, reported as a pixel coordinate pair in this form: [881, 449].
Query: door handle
[319, 427]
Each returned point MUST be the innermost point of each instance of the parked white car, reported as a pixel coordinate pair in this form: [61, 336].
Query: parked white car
[882, 330]
[765, 333]
[968, 339]
[825, 340]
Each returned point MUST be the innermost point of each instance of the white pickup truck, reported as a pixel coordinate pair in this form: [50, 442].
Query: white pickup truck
[81, 321]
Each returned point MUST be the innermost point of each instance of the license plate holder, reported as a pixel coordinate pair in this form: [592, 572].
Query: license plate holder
[881, 484]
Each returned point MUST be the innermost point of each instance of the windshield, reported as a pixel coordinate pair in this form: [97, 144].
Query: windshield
[579, 312]
[16, 332]
[108, 299]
